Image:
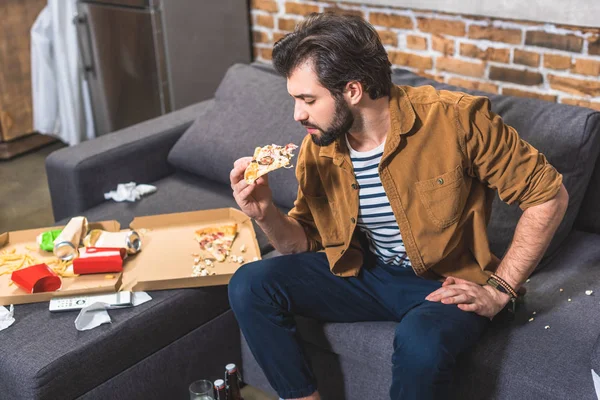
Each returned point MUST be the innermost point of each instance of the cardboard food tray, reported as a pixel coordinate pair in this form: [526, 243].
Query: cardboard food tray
[168, 244]
[83, 284]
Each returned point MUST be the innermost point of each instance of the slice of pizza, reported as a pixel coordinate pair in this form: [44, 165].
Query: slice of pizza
[216, 241]
[267, 159]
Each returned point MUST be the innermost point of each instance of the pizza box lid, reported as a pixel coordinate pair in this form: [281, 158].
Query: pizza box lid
[24, 242]
[169, 249]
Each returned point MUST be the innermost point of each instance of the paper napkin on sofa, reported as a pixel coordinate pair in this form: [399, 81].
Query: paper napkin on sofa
[129, 192]
[95, 314]
[6, 317]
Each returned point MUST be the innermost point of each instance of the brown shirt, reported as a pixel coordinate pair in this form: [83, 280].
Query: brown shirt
[445, 155]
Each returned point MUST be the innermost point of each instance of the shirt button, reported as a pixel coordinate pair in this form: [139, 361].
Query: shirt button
[352, 220]
[441, 181]
[354, 186]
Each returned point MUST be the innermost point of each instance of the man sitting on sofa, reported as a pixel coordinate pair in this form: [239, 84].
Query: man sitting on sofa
[395, 185]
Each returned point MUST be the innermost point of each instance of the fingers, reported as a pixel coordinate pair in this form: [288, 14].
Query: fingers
[239, 166]
[450, 290]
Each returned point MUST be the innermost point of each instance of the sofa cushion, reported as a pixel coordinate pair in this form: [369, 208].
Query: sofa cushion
[519, 360]
[589, 214]
[44, 357]
[252, 108]
[179, 192]
[568, 136]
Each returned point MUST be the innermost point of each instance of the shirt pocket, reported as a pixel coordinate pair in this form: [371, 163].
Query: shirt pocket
[444, 197]
[325, 216]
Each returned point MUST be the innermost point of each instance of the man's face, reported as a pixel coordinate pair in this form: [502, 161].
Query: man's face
[324, 116]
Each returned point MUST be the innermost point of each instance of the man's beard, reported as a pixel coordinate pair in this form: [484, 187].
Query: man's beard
[342, 122]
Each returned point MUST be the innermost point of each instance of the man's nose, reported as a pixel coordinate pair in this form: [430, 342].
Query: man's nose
[299, 113]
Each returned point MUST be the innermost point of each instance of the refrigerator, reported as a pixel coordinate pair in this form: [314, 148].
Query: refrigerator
[145, 58]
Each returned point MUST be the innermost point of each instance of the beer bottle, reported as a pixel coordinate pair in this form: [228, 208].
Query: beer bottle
[233, 382]
[220, 390]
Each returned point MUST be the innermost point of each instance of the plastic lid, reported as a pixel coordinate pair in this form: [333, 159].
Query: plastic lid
[219, 383]
[230, 367]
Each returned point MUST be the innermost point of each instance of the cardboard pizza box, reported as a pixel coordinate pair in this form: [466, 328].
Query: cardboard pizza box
[169, 249]
[24, 242]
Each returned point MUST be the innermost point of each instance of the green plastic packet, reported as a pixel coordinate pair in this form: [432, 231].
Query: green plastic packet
[46, 239]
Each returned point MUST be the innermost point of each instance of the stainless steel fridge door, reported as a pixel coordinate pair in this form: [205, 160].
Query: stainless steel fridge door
[119, 58]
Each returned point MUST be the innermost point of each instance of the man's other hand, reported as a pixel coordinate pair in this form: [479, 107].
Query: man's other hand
[468, 296]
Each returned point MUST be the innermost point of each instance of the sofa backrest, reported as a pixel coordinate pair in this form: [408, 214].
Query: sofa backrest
[588, 218]
[252, 108]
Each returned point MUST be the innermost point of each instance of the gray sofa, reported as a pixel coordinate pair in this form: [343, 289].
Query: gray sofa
[155, 350]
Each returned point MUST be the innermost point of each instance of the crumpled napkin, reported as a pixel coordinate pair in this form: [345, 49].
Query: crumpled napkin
[129, 192]
[95, 314]
[6, 317]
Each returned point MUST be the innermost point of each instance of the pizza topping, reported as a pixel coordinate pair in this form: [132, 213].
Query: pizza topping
[266, 160]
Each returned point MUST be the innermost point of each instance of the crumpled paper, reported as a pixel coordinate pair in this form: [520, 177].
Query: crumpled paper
[129, 192]
[6, 317]
[95, 314]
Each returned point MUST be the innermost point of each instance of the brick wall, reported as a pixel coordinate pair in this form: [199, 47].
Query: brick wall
[552, 62]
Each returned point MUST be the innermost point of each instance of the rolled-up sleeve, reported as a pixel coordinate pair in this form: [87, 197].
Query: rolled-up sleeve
[301, 212]
[501, 159]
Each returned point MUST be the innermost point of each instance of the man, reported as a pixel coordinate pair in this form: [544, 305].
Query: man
[395, 185]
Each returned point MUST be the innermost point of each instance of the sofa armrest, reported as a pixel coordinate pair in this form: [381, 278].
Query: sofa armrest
[79, 176]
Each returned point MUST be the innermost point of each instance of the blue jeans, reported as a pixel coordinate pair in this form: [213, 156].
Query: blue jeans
[265, 296]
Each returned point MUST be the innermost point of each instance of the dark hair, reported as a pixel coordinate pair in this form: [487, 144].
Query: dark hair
[342, 48]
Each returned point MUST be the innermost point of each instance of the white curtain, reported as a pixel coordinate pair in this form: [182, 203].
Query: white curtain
[61, 101]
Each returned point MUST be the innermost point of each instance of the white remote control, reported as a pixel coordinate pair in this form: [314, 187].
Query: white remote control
[113, 300]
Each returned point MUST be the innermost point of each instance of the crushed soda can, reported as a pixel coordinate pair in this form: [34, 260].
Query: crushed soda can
[128, 240]
[66, 245]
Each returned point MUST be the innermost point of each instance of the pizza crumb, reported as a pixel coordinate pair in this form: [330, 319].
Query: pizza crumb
[208, 263]
[196, 261]
[203, 272]
[195, 255]
[547, 327]
[561, 289]
[534, 313]
[530, 319]
[240, 260]
[527, 280]
[243, 248]
[255, 259]
[589, 292]
[569, 300]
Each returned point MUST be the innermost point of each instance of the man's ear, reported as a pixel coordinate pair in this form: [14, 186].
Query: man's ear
[354, 92]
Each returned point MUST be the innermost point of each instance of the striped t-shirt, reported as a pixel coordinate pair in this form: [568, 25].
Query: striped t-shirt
[375, 216]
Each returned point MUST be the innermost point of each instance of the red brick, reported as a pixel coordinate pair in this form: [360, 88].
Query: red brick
[410, 60]
[528, 58]
[300, 8]
[266, 53]
[278, 36]
[265, 5]
[473, 85]
[427, 75]
[579, 87]
[390, 20]
[460, 67]
[260, 37]
[343, 11]
[581, 103]
[594, 46]
[443, 45]
[388, 37]
[586, 67]
[532, 95]
[265, 20]
[441, 26]
[521, 77]
[554, 41]
[512, 36]
[489, 54]
[416, 42]
[286, 24]
[555, 61]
